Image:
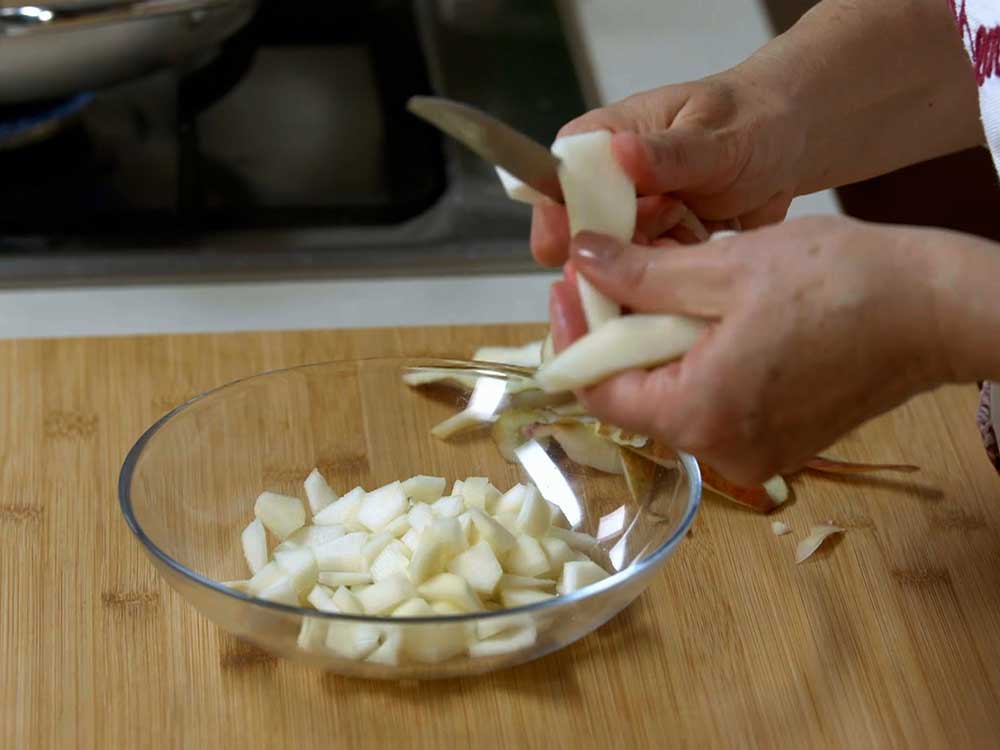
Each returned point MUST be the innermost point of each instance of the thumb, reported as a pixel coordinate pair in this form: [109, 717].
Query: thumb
[692, 280]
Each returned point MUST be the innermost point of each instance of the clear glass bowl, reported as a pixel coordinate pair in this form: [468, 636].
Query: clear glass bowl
[188, 486]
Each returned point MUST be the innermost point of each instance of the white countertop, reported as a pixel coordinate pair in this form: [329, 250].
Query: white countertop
[634, 45]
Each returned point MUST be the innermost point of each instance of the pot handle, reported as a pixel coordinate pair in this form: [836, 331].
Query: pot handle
[31, 20]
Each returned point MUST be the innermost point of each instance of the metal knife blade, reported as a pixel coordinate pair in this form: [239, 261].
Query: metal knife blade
[493, 140]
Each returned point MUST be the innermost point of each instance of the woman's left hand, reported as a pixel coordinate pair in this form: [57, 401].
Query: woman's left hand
[819, 325]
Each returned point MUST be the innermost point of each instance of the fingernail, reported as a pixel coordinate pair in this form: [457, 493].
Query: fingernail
[597, 250]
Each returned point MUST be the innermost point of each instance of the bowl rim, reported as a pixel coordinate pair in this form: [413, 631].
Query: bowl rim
[130, 464]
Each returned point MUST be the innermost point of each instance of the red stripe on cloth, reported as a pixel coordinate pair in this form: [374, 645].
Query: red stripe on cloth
[983, 44]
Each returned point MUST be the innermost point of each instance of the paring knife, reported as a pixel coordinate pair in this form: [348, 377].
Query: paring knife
[495, 141]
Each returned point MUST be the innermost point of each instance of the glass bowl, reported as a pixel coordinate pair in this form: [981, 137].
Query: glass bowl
[188, 486]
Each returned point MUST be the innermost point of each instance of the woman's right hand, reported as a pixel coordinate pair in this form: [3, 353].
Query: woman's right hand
[728, 146]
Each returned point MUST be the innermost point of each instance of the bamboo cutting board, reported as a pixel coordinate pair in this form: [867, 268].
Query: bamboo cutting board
[889, 638]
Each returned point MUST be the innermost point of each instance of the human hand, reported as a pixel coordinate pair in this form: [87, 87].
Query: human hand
[820, 324]
[727, 146]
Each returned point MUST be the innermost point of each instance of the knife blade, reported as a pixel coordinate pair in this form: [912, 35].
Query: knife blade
[493, 140]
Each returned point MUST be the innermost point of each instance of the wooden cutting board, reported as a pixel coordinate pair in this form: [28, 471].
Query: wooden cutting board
[888, 638]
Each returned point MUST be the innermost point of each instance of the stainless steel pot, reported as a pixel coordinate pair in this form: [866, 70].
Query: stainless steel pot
[69, 46]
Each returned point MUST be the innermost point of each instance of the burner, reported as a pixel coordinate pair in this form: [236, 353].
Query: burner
[21, 124]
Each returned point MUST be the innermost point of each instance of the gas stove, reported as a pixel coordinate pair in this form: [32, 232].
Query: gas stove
[289, 152]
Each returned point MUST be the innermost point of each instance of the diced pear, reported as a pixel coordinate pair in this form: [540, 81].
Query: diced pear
[398, 527]
[511, 500]
[511, 598]
[350, 640]
[559, 553]
[451, 506]
[345, 601]
[411, 538]
[285, 546]
[507, 643]
[387, 594]
[424, 489]
[391, 560]
[429, 643]
[558, 518]
[578, 575]
[388, 652]
[318, 492]
[465, 521]
[479, 566]
[479, 493]
[446, 608]
[322, 599]
[300, 565]
[456, 489]
[357, 589]
[314, 536]
[508, 521]
[254, 541]
[526, 558]
[281, 514]
[343, 512]
[489, 627]
[439, 542]
[575, 539]
[420, 515]
[335, 579]
[517, 190]
[281, 591]
[451, 588]
[343, 554]
[382, 506]
[266, 576]
[535, 516]
[375, 544]
[508, 581]
[312, 634]
[492, 532]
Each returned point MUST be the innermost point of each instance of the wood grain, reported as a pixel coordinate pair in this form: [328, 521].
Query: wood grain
[890, 637]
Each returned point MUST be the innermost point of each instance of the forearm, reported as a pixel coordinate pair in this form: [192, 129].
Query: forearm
[875, 85]
[964, 295]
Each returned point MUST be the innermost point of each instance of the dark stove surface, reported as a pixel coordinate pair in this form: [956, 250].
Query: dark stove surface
[296, 122]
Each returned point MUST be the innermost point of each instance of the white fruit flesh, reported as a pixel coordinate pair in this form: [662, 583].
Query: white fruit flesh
[511, 500]
[449, 507]
[375, 544]
[388, 652]
[491, 532]
[524, 582]
[336, 580]
[254, 542]
[511, 598]
[440, 541]
[312, 634]
[479, 493]
[419, 516]
[429, 643]
[578, 541]
[321, 598]
[599, 197]
[345, 601]
[281, 514]
[577, 575]
[450, 588]
[398, 527]
[479, 566]
[343, 554]
[351, 640]
[314, 536]
[527, 558]
[266, 576]
[487, 628]
[777, 489]
[630, 342]
[559, 553]
[343, 512]
[382, 506]
[535, 516]
[529, 355]
[518, 191]
[300, 565]
[281, 591]
[387, 594]
[391, 560]
[318, 492]
[411, 539]
[424, 489]
[506, 643]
